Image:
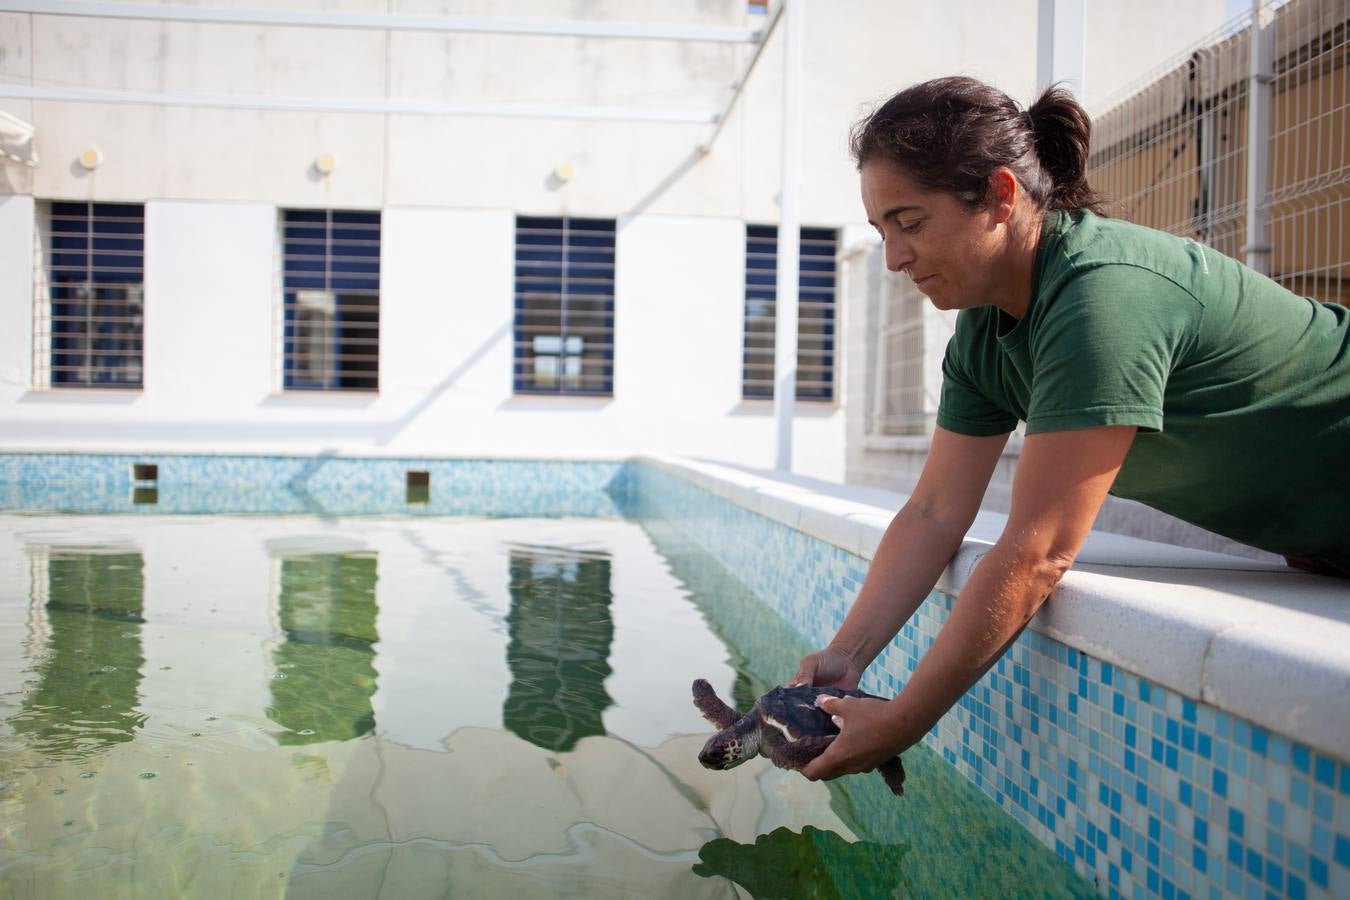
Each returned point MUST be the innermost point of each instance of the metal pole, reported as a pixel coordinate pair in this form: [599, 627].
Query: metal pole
[1259, 95]
[789, 237]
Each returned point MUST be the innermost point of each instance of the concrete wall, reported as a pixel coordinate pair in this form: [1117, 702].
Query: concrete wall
[450, 186]
[856, 53]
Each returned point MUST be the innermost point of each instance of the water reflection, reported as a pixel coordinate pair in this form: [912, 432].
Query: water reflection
[325, 669]
[814, 863]
[560, 634]
[87, 627]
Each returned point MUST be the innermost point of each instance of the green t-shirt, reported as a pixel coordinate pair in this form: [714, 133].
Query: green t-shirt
[1240, 389]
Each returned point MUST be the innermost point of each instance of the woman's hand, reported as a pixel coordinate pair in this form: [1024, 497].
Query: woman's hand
[827, 668]
[867, 737]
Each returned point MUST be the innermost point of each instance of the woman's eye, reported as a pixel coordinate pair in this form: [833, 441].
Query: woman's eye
[912, 227]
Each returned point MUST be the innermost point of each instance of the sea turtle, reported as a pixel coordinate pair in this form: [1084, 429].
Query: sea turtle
[784, 724]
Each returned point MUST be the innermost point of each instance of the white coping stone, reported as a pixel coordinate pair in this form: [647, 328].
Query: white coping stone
[1257, 640]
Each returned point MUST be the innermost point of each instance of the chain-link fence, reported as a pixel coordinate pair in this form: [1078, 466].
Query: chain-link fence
[1245, 148]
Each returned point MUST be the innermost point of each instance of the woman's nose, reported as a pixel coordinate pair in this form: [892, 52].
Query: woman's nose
[899, 255]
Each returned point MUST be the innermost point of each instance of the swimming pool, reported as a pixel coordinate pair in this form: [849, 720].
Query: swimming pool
[339, 705]
[1170, 726]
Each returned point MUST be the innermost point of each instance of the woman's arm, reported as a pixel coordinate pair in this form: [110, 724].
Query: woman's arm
[1062, 479]
[920, 541]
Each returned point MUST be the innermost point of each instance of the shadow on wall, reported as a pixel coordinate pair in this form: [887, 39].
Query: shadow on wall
[15, 179]
[663, 185]
[393, 429]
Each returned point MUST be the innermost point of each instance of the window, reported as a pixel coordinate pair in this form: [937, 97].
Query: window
[561, 630]
[564, 314]
[815, 312]
[327, 607]
[85, 615]
[905, 325]
[331, 300]
[90, 327]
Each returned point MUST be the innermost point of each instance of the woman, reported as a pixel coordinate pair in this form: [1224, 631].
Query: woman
[1144, 365]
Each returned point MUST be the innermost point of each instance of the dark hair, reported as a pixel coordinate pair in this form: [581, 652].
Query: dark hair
[950, 134]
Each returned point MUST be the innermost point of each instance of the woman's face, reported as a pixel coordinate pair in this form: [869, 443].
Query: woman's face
[949, 251]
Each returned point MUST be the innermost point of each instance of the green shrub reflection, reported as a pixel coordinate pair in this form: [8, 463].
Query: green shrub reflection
[560, 634]
[325, 669]
[815, 863]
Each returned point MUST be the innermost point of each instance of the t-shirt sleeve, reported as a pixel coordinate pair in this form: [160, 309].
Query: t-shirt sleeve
[962, 407]
[1105, 348]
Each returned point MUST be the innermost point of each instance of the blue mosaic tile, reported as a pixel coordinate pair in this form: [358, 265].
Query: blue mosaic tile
[1102, 764]
[1318, 873]
[1298, 792]
[321, 485]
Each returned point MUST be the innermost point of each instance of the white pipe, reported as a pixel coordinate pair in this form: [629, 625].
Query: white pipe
[1061, 34]
[326, 19]
[1259, 94]
[373, 105]
[789, 237]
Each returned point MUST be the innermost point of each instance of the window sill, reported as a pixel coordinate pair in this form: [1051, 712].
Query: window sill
[807, 409]
[321, 399]
[557, 401]
[109, 396]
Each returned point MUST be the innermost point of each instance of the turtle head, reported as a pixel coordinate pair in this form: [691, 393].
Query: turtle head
[726, 750]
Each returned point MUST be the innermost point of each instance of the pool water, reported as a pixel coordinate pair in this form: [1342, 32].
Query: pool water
[295, 706]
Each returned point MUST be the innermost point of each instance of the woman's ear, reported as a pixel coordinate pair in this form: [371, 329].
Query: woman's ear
[1003, 192]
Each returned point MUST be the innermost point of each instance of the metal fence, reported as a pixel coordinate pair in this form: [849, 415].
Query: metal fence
[1176, 153]
[1242, 144]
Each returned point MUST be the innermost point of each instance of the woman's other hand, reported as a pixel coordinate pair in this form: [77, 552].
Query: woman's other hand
[827, 668]
[867, 737]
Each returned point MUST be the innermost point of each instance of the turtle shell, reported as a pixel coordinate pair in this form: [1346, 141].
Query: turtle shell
[793, 710]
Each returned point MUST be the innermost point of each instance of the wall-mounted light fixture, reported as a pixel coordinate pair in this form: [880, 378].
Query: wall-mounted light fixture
[91, 158]
[325, 163]
[564, 172]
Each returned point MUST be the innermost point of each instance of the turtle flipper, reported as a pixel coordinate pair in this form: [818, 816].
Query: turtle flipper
[798, 753]
[893, 770]
[712, 707]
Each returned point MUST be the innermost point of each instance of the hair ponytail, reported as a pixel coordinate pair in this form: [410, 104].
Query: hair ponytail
[1062, 131]
[950, 134]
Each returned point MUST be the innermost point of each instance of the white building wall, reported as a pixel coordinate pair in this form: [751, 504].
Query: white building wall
[449, 188]
[211, 352]
[17, 224]
[208, 315]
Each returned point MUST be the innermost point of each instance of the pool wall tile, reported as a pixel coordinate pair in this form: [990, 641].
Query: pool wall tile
[321, 485]
[1143, 790]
